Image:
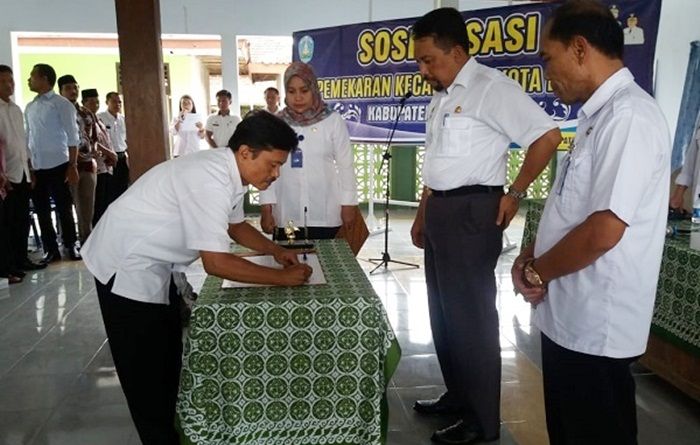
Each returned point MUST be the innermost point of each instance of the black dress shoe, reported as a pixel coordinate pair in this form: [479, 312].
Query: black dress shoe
[51, 256]
[18, 273]
[74, 253]
[30, 265]
[439, 406]
[460, 434]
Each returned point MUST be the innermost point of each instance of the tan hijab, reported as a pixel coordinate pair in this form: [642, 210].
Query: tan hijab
[318, 110]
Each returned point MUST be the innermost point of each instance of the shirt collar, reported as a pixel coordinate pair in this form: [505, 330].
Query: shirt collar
[228, 113]
[605, 91]
[2, 102]
[233, 171]
[464, 75]
[47, 95]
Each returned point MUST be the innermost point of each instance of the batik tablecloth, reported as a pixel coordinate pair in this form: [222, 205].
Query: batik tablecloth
[677, 307]
[289, 365]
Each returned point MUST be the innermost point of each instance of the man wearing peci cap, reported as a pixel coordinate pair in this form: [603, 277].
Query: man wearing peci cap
[105, 157]
[52, 136]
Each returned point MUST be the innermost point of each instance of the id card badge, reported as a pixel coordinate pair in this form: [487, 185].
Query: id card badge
[297, 158]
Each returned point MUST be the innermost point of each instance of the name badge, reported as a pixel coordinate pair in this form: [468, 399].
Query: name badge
[297, 158]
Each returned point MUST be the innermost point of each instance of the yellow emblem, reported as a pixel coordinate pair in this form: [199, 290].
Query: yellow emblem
[458, 109]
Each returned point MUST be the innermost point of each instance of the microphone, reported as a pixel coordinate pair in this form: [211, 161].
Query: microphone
[405, 97]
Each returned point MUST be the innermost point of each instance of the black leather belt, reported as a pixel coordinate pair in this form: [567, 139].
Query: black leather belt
[467, 190]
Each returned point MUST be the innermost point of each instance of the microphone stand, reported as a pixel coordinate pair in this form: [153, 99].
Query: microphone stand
[386, 159]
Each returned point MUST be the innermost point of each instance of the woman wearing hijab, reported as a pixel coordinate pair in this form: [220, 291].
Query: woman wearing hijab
[187, 128]
[316, 188]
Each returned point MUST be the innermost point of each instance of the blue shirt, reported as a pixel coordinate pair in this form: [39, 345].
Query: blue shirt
[52, 127]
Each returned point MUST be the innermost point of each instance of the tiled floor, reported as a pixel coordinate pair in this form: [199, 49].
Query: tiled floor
[58, 386]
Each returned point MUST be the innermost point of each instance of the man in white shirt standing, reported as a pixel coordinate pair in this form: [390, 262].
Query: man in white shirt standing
[272, 100]
[179, 211]
[16, 221]
[475, 113]
[593, 269]
[113, 120]
[52, 135]
[220, 126]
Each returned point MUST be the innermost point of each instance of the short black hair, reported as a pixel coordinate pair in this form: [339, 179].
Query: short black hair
[226, 93]
[591, 20]
[110, 94]
[47, 71]
[261, 130]
[446, 26]
[272, 89]
[5, 69]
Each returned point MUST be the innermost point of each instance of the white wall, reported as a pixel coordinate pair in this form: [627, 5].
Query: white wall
[282, 17]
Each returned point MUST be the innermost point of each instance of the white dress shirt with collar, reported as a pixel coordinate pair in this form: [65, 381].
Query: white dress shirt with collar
[324, 183]
[16, 151]
[471, 125]
[52, 127]
[222, 127]
[161, 223]
[116, 127]
[620, 163]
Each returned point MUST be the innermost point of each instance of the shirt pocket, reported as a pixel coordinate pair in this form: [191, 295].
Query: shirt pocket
[575, 180]
[456, 136]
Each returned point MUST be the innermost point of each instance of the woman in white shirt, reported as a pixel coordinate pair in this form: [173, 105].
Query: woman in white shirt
[317, 187]
[187, 128]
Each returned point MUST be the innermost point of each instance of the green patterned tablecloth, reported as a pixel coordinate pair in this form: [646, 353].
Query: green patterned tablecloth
[677, 307]
[289, 365]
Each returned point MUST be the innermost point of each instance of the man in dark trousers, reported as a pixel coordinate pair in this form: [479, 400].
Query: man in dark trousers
[475, 113]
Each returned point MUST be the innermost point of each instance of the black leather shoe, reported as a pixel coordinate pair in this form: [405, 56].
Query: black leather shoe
[438, 407]
[30, 265]
[51, 256]
[459, 434]
[18, 273]
[74, 252]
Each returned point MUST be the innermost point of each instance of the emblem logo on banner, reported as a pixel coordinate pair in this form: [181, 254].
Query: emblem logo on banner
[306, 49]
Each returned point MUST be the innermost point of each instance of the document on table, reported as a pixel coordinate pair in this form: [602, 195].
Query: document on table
[316, 277]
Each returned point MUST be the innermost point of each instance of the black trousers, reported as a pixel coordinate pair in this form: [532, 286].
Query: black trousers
[588, 399]
[51, 183]
[102, 196]
[120, 178]
[146, 344]
[5, 265]
[18, 221]
[462, 245]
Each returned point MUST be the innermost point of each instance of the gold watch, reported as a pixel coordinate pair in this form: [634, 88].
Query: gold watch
[531, 277]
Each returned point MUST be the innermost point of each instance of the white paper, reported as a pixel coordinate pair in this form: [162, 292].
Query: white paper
[316, 277]
[190, 121]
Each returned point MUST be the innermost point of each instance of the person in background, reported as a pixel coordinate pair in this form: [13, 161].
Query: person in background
[689, 177]
[272, 100]
[6, 268]
[593, 269]
[220, 126]
[113, 120]
[187, 128]
[53, 138]
[105, 157]
[475, 114]
[16, 222]
[317, 186]
[84, 191]
[177, 212]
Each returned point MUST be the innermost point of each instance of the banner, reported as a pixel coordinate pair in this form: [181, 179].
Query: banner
[365, 69]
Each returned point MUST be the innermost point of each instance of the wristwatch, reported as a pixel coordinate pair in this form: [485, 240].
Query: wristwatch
[516, 193]
[531, 277]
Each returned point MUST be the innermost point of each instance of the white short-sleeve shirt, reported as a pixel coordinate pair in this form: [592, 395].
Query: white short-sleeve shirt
[161, 223]
[116, 127]
[324, 182]
[620, 163]
[471, 124]
[222, 127]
